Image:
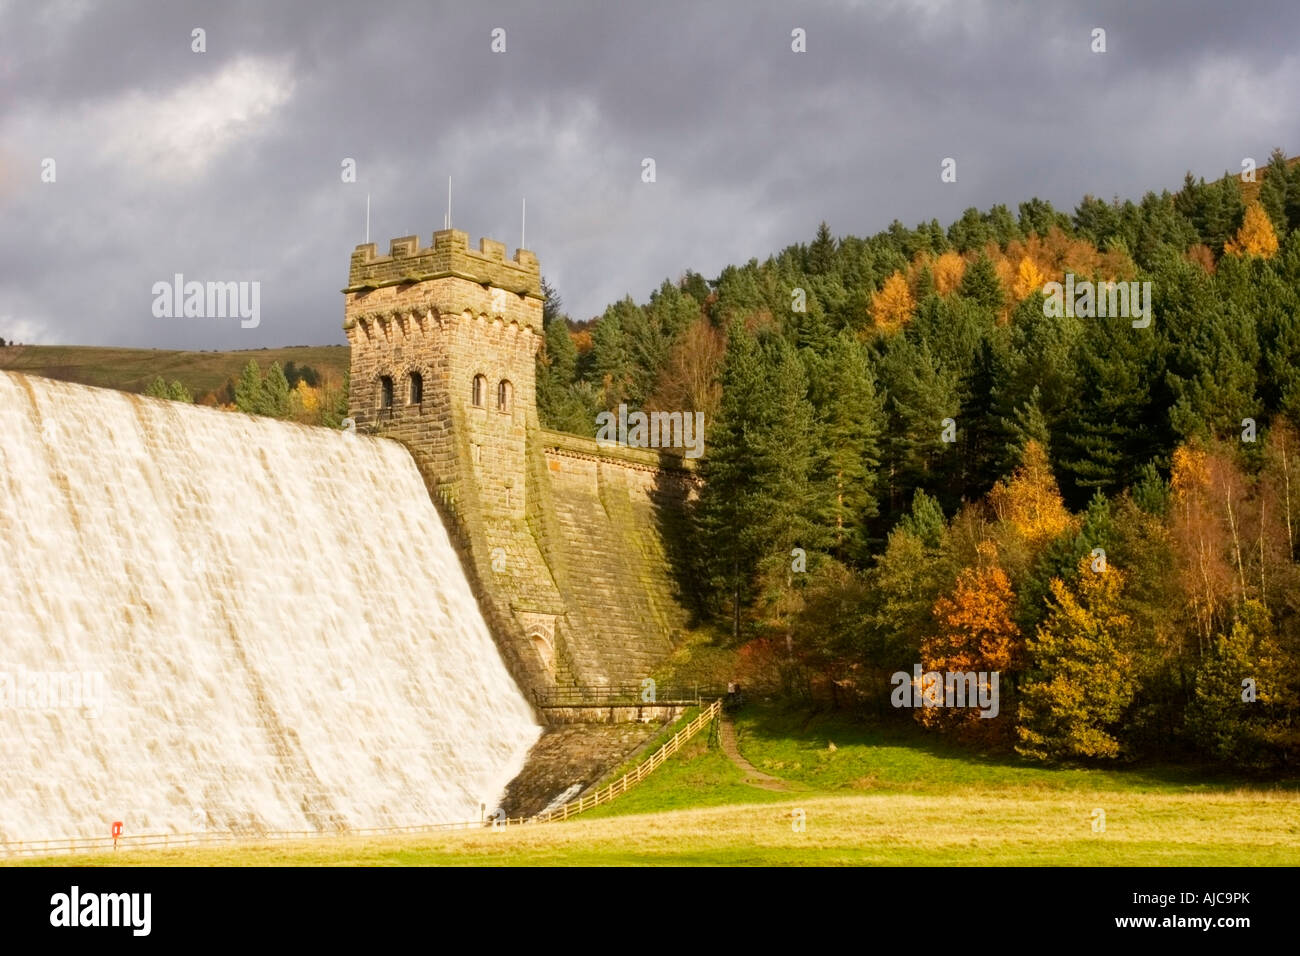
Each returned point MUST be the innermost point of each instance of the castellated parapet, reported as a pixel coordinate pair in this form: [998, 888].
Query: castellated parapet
[443, 358]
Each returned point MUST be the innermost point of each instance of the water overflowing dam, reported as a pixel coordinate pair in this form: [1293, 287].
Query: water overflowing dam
[210, 621]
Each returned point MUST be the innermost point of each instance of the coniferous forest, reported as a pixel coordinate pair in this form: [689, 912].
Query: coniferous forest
[911, 459]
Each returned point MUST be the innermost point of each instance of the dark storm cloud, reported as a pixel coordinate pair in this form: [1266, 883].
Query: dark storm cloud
[226, 164]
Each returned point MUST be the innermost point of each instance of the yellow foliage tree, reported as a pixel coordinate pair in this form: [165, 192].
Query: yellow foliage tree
[1028, 279]
[1256, 236]
[948, 270]
[309, 397]
[1030, 501]
[892, 306]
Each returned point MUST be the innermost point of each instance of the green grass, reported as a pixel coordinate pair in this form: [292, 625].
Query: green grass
[131, 370]
[886, 796]
[894, 758]
[889, 760]
[696, 776]
[664, 735]
[971, 829]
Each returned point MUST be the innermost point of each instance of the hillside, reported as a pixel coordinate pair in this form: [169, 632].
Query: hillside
[131, 370]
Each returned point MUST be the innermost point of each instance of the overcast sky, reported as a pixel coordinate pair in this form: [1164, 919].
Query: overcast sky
[226, 165]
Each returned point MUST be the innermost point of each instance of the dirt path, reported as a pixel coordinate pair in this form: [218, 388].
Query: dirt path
[753, 776]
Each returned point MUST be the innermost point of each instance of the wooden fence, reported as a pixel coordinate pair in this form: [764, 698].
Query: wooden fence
[633, 777]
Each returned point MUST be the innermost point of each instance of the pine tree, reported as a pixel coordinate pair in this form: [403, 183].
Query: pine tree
[1003, 225]
[925, 286]
[982, 286]
[925, 520]
[1081, 679]
[1038, 218]
[248, 390]
[671, 310]
[1212, 350]
[611, 358]
[757, 503]
[1274, 300]
[1219, 212]
[971, 231]
[1096, 219]
[821, 254]
[919, 394]
[1293, 197]
[983, 439]
[647, 345]
[275, 393]
[1040, 380]
[1273, 191]
[557, 368]
[850, 423]
[552, 304]
[1222, 719]
[1161, 226]
[1124, 422]
[903, 586]
[1026, 424]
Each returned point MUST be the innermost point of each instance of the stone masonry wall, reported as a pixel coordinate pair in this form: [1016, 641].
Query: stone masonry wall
[565, 542]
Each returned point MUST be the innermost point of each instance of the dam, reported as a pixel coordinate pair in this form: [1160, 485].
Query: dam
[210, 621]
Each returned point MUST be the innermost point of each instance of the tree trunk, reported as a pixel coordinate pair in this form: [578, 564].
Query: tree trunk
[1236, 542]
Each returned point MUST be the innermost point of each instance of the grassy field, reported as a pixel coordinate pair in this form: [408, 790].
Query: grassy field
[1025, 827]
[882, 796]
[131, 370]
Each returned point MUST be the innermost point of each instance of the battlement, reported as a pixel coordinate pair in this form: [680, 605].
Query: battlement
[448, 255]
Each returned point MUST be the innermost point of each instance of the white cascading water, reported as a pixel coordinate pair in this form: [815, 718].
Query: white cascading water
[213, 622]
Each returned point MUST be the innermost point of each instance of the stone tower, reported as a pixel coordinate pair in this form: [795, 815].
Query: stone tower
[443, 347]
[567, 543]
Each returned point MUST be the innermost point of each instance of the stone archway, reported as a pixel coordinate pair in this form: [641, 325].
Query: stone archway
[544, 650]
[540, 629]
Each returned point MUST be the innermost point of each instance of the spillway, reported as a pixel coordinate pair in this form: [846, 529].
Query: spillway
[215, 622]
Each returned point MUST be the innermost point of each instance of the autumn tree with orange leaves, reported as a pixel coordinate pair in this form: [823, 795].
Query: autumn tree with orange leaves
[1255, 237]
[892, 305]
[975, 633]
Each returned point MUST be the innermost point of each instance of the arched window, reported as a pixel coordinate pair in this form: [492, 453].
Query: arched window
[416, 388]
[385, 392]
[503, 396]
[480, 390]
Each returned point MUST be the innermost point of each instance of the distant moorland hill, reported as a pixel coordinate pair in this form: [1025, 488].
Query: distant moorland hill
[131, 370]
